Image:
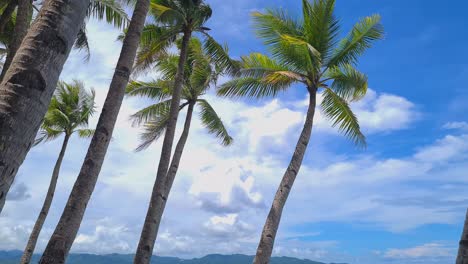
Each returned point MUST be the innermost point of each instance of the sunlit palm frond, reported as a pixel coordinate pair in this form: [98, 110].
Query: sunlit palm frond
[109, 10]
[254, 87]
[348, 82]
[271, 25]
[338, 111]
[86, 133]
[361, 37]
[213, 123]
[148, 113]
[157, 89]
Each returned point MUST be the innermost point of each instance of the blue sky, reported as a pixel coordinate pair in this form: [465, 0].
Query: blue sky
[402, 200]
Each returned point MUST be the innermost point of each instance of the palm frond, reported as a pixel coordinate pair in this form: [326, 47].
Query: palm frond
[110, 10]
[361, 37]
[213, 123]
[348, 82]
[270, 25]
[338, 111]
[156, 89]
[146, 114]
[254, 87]
[86, 133]
[220, 56]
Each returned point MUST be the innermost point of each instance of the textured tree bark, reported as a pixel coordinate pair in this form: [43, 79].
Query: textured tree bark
[21, 28]
[62, 239]
[29, 250]
[30, 81]
[462, 257]
[159, 199]
[267, 240]
[6, 15]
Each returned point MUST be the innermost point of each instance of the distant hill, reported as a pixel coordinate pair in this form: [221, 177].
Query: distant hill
[12, 257]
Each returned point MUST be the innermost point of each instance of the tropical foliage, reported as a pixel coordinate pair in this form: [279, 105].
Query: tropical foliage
[307, 52]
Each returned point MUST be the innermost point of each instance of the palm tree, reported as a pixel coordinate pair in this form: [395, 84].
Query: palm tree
[25, 93]
[13, 33]
[200, 72]
[69, 113]
[28, 85]
[462, 256]
[172, 19]
[306, 52]
[64, 234]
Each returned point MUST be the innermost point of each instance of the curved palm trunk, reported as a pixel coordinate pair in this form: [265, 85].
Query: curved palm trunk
[30, 81]
[6, 15]
[29, 250]
[462, 257]
[267, 240]
[62, 239]
[21, 28]
[160, 190]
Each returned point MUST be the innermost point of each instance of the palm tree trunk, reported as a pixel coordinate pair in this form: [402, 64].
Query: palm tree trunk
[267, 240]
[30, 81]
[159, 198]
[462, 257]
[62, 239]
[28, 252]
[21, 28]
[6, 15]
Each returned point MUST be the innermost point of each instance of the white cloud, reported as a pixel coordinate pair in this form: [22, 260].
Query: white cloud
[456, 126]
[426, 250]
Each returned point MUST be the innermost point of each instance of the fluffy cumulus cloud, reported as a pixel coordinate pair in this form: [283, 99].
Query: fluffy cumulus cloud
[221, 196]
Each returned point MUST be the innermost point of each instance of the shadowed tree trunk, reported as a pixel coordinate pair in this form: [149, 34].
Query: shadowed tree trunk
[6, 15]
[62, 239]
[160, 195]
[267, 240]
[29, 250]
[21, 28]
[30, 81]
[462, 257]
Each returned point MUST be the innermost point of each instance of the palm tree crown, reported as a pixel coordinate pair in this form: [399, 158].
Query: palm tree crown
[201, 72]
[309, 52]
[69, 112]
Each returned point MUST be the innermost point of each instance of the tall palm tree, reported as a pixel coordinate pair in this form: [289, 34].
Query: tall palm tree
[18, 126]
[64, 234]
[30, 81]
[12, 33]
[200, 73]
[306, 52]
[462, 256]
[172, 19]
[69, 113]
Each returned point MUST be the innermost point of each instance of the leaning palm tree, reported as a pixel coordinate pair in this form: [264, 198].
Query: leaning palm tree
[17, 24]
[306, 52]
[200, 73]
[31, 82]
[67, 228]
[69, 113]
[173, 18]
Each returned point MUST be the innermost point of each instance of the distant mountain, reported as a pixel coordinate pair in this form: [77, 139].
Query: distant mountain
[12, 257]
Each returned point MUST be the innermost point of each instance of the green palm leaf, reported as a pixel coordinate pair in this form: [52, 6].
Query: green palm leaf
[348, 82]
[364, 33]
[338, 111]
[213, 123]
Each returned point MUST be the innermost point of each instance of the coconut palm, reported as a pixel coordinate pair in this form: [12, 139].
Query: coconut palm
[173, 18]
[21, 109]
[306, 52]
[67, 228]
[69, 113]
[462, 256]
[200, 72]
[16, 25]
